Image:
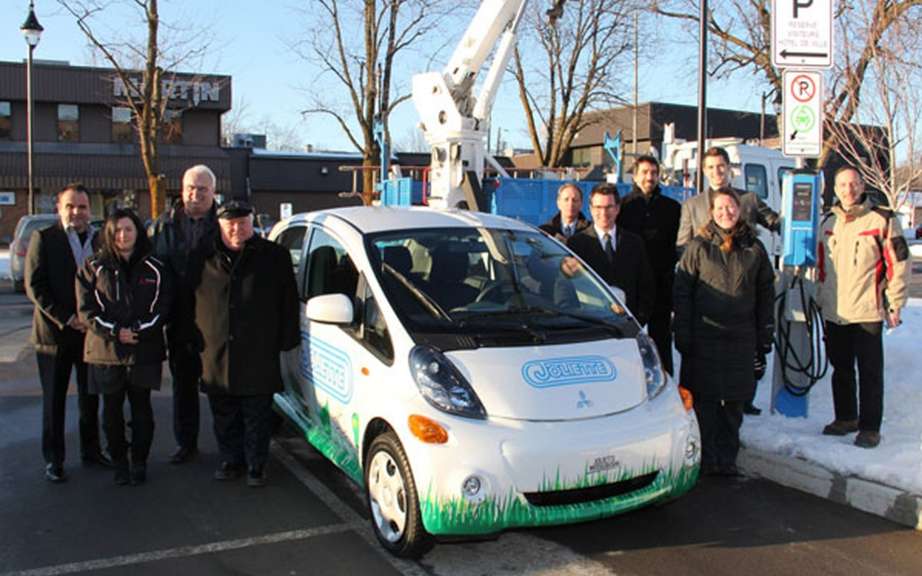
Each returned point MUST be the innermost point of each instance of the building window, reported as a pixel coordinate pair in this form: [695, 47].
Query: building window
[6, 125]
[68, 123]
[582, 156]
[122, 131]
[171, 127]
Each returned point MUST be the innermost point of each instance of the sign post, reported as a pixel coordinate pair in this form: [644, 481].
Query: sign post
[802, 33]
[803, 113]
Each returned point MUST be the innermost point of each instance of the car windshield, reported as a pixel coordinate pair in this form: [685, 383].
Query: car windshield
[494, 284]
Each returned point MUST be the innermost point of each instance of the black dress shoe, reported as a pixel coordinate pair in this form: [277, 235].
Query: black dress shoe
[228, 471]
[256, 477]
[751, 410]
[55, 473]
[183, 454]
[122, 476]
[138, 474]
[97, 458]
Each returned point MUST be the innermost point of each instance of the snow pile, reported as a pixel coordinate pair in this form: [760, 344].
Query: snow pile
[897, 461]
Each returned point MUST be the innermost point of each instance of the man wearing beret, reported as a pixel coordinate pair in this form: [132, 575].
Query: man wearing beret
[246, 314]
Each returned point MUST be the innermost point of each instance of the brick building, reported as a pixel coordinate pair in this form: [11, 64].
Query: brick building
[83, 131]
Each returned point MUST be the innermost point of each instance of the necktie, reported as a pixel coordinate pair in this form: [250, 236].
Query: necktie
[609, 253]
[568, 231]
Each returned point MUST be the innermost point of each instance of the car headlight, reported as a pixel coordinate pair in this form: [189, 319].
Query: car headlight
[442, 385]
[652, 368]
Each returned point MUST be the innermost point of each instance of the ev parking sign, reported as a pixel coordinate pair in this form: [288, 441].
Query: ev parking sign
[803, 113]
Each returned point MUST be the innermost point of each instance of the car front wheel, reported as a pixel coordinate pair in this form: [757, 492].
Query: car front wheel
[393, 502]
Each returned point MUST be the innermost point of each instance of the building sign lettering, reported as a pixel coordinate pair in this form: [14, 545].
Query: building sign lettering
[173, 89]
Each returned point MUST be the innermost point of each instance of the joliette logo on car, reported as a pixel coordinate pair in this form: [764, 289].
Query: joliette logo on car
[329, 368]
[567, 371]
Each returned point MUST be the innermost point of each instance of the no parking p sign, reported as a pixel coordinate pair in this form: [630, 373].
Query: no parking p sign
[803, 113]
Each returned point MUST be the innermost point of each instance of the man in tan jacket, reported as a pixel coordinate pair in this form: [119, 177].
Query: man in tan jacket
[863, 276]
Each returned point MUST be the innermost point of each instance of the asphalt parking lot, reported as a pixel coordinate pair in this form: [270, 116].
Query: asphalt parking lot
[311, 519]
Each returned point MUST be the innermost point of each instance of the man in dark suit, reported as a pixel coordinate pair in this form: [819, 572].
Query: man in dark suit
[54, 255]
[655, 218]
[569, 219]
[617, 255]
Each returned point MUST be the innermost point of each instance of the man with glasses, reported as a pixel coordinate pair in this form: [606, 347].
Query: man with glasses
[617, 255]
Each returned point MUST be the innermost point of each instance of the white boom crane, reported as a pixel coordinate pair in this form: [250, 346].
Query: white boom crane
[456, 123]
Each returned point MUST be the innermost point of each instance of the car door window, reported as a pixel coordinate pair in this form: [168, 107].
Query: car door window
[756, 180]
[292, 239]
[371, 330]
[329, 269]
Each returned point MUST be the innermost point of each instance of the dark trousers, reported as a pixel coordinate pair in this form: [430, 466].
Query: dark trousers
[54, 372]
[846, 344]
[659, 327]
[186, 369]
[142, 424]
[243, 427]
[720, 422]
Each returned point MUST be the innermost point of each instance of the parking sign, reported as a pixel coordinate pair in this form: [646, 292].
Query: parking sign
[803, 113]
[802, 33]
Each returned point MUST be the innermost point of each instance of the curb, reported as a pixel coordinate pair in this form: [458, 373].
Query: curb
[869, 496]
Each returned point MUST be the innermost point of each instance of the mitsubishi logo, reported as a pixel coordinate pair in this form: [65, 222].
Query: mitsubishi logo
[584, 401]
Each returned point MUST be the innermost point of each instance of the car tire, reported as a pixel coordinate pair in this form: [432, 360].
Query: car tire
[392, 499]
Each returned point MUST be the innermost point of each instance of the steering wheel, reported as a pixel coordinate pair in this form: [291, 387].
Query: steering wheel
[495, 291]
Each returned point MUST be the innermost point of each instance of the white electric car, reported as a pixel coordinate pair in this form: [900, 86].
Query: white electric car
[473, 376]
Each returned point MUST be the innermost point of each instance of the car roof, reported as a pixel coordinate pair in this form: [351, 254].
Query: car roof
[371, 219]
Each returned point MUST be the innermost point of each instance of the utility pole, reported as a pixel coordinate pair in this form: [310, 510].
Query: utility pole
[702, 91]
[636, 82]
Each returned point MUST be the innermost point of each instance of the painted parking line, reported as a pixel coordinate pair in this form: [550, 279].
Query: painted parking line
[513, 553]
[345, 513]
[182, 552]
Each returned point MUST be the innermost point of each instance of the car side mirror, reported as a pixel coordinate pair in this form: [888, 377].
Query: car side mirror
[330, 309]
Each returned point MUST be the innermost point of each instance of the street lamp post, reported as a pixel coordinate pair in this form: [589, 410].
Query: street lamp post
[32, 31]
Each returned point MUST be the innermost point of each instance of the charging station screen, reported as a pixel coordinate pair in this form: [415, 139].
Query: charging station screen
[803, 202]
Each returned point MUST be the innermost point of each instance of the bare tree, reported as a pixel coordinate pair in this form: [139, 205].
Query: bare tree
[573, 69]
[883, 140]
[144, 94]
[742, 31]
[364, 65]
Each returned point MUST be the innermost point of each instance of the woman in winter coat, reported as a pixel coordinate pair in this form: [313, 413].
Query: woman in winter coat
[724, 293]
[123, 296]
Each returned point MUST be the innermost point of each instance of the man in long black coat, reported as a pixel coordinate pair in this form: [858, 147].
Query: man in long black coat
[655, 218]
[246, 314]
[57, 333]
[617, 255]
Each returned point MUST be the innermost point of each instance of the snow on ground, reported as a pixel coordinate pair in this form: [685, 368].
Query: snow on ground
[4, 263]
[897, 461]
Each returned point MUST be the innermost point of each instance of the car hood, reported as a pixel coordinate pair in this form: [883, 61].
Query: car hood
[555, 382]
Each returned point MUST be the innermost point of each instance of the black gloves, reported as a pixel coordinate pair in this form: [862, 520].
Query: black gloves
[758, 365]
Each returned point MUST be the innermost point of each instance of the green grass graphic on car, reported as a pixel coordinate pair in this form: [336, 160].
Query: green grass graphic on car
[458, 516]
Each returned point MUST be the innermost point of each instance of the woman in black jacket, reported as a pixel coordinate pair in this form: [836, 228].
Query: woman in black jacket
[123, 295]
[724, 290]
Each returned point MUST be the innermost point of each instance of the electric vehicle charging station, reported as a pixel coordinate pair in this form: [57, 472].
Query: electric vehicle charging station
[800, 359]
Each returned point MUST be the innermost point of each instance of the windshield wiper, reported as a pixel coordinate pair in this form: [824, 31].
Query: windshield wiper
[482, 320]
[427, 301]
[614, 329]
